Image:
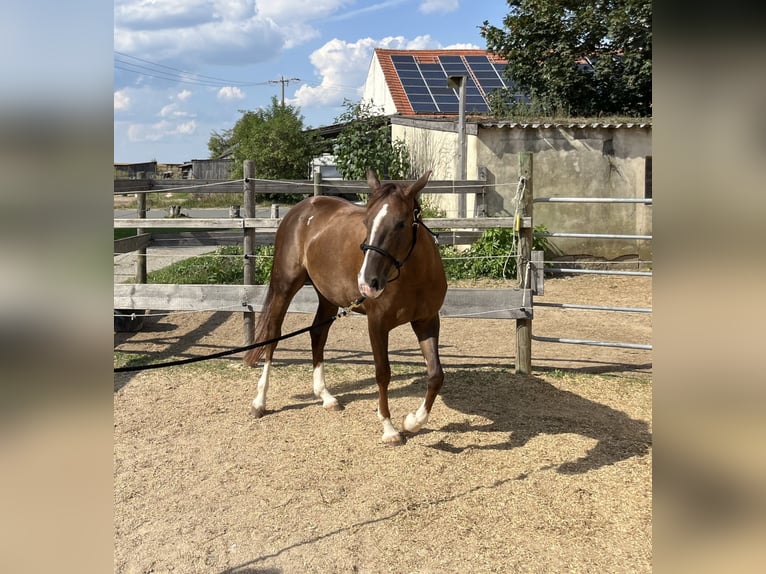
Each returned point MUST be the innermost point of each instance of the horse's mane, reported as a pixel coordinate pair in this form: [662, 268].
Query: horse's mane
[386, 190]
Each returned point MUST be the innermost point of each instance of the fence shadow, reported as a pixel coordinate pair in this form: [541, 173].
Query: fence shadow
[170, 346]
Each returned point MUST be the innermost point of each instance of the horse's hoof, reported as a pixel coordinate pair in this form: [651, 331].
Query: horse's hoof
[410, 425]
[333, 407]
[394, 440]
[257, 412]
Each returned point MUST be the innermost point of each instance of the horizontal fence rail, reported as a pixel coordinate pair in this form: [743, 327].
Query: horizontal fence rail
[592, 235]
[592, 200]
[594, 307]
[469, 303]
[554, 267]
[576, 271]
[273, 223]
[592, 343]
[280, 187]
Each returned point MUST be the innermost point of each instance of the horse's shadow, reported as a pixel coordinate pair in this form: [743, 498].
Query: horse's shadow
[520, 408]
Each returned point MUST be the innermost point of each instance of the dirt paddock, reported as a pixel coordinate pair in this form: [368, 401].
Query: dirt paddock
[543, 473]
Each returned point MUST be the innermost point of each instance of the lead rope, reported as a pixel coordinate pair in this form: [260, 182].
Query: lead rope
[342, 312]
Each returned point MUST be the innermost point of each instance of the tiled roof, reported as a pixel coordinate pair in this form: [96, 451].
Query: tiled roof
[392, 80]
[398, 94]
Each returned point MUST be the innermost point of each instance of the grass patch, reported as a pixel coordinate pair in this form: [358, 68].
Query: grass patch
[224, 267]
[130, 360]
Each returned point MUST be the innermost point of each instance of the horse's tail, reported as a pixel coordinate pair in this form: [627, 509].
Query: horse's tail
[252, 357]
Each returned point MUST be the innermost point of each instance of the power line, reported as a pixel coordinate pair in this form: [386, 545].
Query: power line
[163, 72]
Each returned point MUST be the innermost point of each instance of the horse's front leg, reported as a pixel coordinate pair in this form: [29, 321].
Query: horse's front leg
[379, 343]
[427, 332]
[318, 341]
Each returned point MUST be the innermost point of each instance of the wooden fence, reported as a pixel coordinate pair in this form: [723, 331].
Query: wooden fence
[516, 303]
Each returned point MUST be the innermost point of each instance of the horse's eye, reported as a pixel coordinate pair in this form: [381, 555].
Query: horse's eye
[399, 225]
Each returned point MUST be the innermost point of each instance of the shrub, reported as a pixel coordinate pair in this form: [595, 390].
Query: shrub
[492, 256]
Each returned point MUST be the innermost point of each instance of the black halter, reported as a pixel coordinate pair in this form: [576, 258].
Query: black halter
[398, 264]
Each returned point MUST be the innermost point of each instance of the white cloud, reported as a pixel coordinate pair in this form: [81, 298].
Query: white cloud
[463, 46]
[301, 10]
[343, 66]
[186, 128]
[230, 93]
[173, 111]
[195, 31]
[293, 17]
[184, 95]
[219, 31]
[160, 130]
[121, 100]
[432, 6]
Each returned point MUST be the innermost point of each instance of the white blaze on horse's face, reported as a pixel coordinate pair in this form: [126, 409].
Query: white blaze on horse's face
[371, 291]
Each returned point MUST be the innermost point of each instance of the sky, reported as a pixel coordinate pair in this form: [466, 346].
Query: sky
[186, 68]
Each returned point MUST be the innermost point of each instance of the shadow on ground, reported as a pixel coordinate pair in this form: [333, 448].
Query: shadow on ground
[519, 409]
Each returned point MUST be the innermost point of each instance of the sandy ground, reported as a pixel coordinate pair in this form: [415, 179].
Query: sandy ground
[543, 473]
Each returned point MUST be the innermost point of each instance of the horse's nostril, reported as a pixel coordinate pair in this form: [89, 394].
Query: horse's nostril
[375, 284]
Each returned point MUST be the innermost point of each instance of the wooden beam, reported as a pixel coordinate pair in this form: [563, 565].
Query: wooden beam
[128, 244]
[273, 223]
[524, 325]
[298, 186]
[468, 222]
[182, 223]
[468, 303]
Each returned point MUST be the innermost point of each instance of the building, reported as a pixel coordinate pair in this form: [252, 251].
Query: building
[417, 89]
[212, 169]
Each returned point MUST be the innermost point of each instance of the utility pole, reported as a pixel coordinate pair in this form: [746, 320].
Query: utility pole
[458, 83]
[282, 80]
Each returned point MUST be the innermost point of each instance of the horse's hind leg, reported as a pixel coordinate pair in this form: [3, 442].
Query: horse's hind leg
[319, 332]
[282, 289]
[427, 332]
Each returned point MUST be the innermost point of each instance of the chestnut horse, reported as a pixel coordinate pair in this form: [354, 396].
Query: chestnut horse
[382, 252]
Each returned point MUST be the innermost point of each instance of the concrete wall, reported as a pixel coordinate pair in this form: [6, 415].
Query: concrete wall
[434, 149]
[568, 162]
[575, 162]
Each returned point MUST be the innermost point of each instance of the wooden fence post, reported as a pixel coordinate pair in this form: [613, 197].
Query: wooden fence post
[526, 233]
[249, 246]
[141, 256]
[317, 182]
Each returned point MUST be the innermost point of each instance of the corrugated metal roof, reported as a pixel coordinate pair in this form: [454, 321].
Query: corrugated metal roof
[564, 124]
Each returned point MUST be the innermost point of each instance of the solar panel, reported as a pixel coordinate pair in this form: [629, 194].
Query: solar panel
[482, 59]
[425, 84]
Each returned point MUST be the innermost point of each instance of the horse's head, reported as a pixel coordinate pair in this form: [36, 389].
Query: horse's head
[391, 223]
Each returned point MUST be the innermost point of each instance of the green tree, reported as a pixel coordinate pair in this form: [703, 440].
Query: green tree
[578, 57]
[274, 138]
[365, 142]
[219, 143]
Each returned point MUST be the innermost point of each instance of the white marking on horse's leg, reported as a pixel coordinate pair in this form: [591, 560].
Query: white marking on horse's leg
[390, 434]
[415, 421]
[259, 403]
[320, 391]
[363, 287]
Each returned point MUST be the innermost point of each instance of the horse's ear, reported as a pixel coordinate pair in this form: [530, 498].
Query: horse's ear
[419, 184]
[372, 179]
